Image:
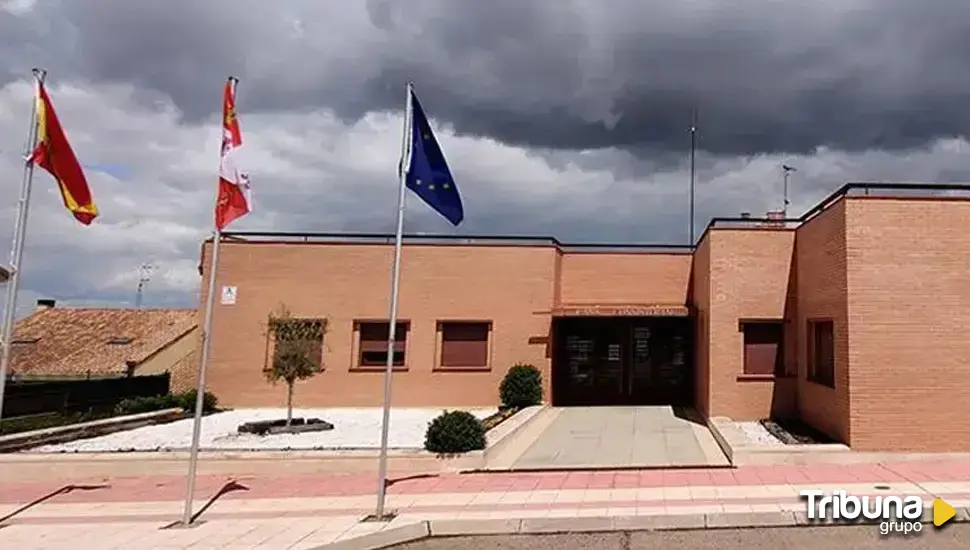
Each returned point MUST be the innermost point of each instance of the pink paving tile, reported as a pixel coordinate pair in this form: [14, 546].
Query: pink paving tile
[651, 478]
[524, 485]
[626, 480]
[723, 477]
[676, 478]
[769, 477]
[601, 480]
[743, 477]
[576, 480]
[699, 478]
[547, 483]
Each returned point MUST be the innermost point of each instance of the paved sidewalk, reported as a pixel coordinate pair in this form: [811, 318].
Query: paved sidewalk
[303, 512]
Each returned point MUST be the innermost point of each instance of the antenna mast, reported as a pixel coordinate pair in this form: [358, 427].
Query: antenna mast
[787, 170]
[145, 275]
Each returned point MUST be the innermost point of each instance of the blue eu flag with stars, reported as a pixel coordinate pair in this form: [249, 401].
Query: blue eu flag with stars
[427, 171]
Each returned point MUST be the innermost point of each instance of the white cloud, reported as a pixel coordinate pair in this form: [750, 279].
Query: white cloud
[153, 178]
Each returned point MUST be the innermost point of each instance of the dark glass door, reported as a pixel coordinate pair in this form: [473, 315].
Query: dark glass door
[590, 364]
[622, 361]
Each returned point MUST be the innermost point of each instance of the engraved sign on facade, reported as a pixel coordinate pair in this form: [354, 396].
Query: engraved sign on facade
[624, 311]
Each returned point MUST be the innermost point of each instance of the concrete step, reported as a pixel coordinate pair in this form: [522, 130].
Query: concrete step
[519, 442]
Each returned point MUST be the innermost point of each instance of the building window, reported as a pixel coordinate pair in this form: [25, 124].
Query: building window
[821, 352]
[763, 347]
[372, 338]
[464, 344]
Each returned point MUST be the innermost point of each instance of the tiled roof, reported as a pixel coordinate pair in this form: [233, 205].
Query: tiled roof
[76, 341]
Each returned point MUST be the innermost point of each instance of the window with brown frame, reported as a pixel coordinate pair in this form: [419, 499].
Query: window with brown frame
[764, 347]
[821, 352]
[464, 344]
[372, 343]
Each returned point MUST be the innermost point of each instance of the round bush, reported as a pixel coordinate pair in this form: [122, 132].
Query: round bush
[521, 387]
[455, 432]
[186, 400]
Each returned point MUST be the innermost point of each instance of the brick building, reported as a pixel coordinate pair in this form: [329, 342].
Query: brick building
[853, 318]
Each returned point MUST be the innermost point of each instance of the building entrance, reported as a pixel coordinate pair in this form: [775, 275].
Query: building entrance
[622, 361]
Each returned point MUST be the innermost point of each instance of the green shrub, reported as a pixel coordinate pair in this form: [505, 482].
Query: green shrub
[182, 400]
[454, 432]
[137, 405]
[186, 400]
[521, 387]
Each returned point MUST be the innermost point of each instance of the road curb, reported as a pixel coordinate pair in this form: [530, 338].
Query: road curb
[604, 524]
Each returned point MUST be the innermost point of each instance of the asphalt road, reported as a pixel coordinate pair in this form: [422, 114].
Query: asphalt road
[956, 536]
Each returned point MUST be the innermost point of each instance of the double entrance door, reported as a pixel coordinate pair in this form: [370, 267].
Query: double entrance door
[622, 361]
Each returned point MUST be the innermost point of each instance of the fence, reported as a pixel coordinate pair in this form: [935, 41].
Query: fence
[62, 396]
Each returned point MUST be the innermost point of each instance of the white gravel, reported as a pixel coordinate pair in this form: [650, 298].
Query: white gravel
[353, 429]
[757, 434]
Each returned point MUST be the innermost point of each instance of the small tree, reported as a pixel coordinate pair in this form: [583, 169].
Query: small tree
[297, 353]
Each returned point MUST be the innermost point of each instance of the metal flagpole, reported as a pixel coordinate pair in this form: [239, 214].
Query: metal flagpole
[392, 326]
[203, 365]
[693, 152]
[19, 236]
[200, 382]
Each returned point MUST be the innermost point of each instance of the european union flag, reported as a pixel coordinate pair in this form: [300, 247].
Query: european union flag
[427, 171]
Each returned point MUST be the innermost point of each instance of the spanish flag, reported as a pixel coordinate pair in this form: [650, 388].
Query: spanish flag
[54, 154]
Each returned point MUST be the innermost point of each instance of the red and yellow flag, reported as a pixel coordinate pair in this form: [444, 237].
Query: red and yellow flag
[54, 154]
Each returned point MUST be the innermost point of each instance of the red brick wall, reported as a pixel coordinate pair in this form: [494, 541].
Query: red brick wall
[749, 275]
[515, 287]
[632, 277]
[511, 286]
[909, 313]
[701, 301]
[820, 256]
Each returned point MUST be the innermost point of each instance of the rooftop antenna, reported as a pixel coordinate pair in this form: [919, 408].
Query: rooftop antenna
[787, 171]
[145, 275]
[693, 156]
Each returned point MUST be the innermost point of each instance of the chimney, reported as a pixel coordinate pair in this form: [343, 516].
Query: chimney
[776, 218]
[46, 303]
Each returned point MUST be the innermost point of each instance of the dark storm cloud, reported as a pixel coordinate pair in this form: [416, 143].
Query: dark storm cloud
[774, 76]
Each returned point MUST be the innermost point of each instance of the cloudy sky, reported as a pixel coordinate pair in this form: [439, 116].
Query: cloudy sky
[558, 117]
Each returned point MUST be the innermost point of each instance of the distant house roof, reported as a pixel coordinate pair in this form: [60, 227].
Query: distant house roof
[77, 341]
[4, 274]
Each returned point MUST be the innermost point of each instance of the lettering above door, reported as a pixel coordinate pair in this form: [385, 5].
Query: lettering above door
[623, 311]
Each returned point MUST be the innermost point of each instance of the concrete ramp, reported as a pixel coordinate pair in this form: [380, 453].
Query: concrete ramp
[610, 438]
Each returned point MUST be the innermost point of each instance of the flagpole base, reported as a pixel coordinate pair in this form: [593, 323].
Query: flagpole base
[182, 525]
[374, 518]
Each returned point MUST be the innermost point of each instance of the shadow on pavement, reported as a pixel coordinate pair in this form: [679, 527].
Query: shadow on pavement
[230, 487]
[62, 491]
